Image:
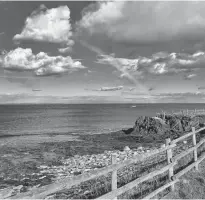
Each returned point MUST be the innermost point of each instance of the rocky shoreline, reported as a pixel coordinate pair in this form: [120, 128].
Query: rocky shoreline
[73, 166]
[80, 164]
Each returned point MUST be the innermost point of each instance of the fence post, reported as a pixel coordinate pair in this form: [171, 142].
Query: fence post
[194, 144]
[114, 174]
[169, 158]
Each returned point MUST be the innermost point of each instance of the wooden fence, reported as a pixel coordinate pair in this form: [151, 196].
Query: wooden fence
[115, 191]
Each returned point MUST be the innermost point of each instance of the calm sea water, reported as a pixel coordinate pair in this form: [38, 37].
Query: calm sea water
[81, 118]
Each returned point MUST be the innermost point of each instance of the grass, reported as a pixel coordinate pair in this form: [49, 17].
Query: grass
[191, 186]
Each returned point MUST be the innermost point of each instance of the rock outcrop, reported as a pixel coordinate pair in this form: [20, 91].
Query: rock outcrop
[163, 126]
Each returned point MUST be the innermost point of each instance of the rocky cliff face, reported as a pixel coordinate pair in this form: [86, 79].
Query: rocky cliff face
[165, 125]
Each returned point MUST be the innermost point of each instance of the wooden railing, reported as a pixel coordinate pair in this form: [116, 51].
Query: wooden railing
[115, 191]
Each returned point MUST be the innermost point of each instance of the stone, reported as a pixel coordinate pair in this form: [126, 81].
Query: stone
[5, 193]
[86, 192]
[50, 197]
[185, 181]
[43, 166]
[126, 148]
[140, 148]
[19, 187]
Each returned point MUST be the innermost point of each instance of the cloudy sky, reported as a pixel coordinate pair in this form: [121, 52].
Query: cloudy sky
[119, 51]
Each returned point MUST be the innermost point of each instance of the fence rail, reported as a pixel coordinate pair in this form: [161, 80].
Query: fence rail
[115, 191]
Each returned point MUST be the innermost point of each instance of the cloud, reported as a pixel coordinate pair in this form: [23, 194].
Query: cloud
[189, 77]
[151, 88]
[109, 59]
[161, 63]
[103, 89]
[58, 65]
[21, 60]
[88, 72]
[180, 97]
[27, 82]
[41, 64]
[145, 22]
[201, 88]
[111, 88]
[48, 25]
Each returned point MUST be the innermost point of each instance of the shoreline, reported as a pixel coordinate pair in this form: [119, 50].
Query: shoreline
[26, 167]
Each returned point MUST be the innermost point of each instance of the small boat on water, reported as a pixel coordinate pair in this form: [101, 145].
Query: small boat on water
[133, 106]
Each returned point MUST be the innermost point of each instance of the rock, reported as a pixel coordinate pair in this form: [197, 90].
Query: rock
[43, 166]
[140, 148]
[5, 193]
[185, 181]
[128, 131]
[50, 197]
[164, 126]
[77, 173]
[19, 187]
[126, 148]
[149, 126]
[86, 192]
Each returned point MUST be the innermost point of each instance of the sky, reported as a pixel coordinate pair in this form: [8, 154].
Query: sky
[102, 52]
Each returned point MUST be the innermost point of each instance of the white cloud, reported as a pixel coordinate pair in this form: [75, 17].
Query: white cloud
[21, 60]
[48, 25]
[108, 89]
[159, 64]
[106, 11]
[111, 88]
[189, 76]
[42, 64]
[144, 22]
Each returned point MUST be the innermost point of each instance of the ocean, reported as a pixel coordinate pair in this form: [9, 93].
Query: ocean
[77, 118]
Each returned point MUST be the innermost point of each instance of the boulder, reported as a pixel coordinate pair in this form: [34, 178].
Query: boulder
[150, 126]
[126, 148]
[7, 192]
[164, 126]
[128, 131]
[140, 148]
